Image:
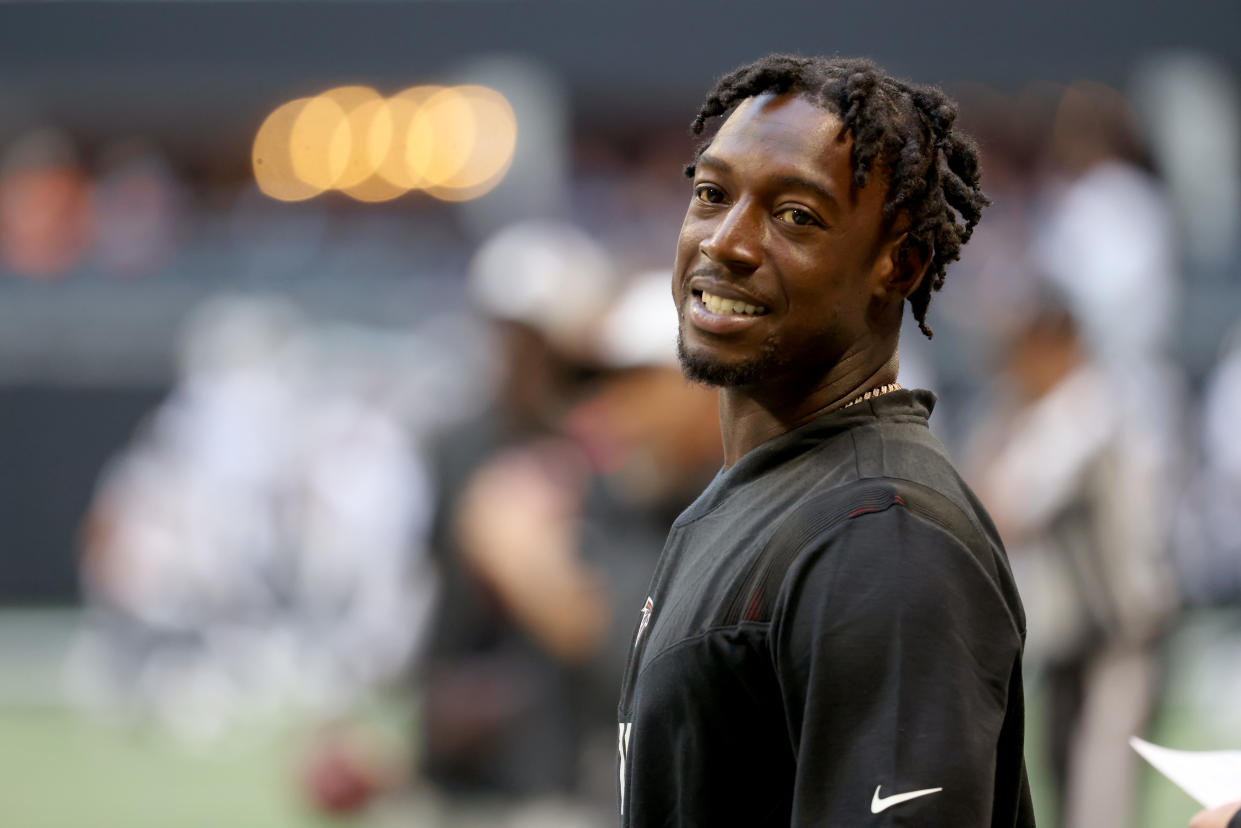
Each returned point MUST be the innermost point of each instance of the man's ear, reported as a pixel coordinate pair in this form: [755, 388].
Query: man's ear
[900, 267]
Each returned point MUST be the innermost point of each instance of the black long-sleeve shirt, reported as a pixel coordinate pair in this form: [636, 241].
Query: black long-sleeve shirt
[832, 638]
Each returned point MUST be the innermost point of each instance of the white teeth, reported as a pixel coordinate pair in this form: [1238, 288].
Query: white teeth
[720, 306]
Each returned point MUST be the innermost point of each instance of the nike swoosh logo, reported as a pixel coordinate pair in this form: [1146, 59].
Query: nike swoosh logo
[882, 803]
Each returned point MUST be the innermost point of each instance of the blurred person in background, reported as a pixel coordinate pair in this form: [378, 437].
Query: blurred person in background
[139, 211]
[493, 722]
[1103, 238]
[555, 501]
[1061, 466]
[45, 205]
[259, 546]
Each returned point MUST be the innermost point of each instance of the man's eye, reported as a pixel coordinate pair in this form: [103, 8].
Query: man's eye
[709, 194]
[801, 218]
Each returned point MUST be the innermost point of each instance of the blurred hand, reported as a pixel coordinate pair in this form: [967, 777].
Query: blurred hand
[1216, 817]
[343, 770]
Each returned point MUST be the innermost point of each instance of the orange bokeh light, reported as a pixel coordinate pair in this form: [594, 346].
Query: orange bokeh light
[455, 143]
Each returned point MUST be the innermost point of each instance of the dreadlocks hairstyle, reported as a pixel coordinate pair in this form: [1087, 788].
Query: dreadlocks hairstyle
[902, 129]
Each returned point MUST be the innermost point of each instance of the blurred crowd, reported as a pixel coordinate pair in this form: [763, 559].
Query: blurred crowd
[467, 510]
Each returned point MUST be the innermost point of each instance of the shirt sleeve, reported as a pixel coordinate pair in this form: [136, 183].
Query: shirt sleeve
[896, 655]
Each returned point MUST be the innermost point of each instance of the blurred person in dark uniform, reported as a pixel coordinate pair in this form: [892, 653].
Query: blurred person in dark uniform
[493, 698]
[555, 503]
[832, 635]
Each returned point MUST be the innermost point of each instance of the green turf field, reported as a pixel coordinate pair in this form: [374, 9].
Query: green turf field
[61, 769]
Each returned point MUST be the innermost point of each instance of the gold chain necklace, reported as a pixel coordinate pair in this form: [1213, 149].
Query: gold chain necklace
[874, 392]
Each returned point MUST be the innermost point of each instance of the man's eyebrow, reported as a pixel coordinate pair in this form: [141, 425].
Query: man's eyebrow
[714, 162]
[788, 182]
[796, 182]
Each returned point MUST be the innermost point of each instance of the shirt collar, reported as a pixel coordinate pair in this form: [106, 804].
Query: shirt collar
[908, 405]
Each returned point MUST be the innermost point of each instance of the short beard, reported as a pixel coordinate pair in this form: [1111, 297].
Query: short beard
[766, 365]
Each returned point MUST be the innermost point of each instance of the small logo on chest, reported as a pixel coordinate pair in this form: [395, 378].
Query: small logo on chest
[646, 619]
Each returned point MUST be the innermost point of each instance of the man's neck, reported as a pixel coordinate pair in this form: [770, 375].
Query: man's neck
[752, 415]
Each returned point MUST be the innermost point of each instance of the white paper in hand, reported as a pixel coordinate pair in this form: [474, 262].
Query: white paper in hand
[1213, 777]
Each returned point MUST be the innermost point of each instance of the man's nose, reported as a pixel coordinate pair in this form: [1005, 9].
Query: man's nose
[737, 241]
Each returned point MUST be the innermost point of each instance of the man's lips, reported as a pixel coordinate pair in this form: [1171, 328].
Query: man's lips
[723, 306]
[700, 284]
[720, 315]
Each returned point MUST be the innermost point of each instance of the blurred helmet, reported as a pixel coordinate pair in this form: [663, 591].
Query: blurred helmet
[544, 274]
[640, 328]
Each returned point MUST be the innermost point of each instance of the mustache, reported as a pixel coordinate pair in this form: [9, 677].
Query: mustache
[709, 272]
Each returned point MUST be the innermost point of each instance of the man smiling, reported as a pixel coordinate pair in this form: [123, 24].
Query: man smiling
[832, 635]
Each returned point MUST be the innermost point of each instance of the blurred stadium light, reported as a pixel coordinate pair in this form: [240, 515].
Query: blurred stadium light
[453, 142]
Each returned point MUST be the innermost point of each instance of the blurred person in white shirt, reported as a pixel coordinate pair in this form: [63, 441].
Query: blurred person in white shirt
[1060, 464]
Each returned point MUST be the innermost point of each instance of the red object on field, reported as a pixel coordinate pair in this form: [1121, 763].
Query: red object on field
[338, 782]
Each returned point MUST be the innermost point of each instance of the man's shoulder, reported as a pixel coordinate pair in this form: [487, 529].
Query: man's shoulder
[947, 510]
[891, 461]
[896, 460]
[870, 528]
